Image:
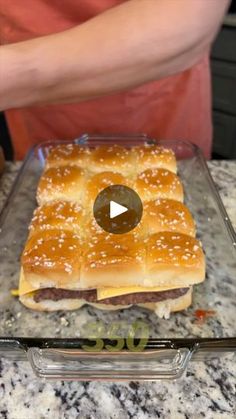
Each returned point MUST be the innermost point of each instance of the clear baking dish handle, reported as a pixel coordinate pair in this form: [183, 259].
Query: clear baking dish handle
[81, 365]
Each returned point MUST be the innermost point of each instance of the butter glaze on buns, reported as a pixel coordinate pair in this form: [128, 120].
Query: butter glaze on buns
[167, 215]
[164, 259]
[115, 158]
[174, 259]
[68, 251]
[52, 258]
[63, 182]
[68, 154]
[116, 261]
[158, 183]
[95, 233]
[153, 156]
[62, 215]
[100, 181]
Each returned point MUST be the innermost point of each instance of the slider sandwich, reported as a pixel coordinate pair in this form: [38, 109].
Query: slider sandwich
[69, 261]
[66, 269]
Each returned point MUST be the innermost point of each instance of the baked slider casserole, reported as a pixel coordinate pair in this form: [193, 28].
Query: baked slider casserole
[69, 260]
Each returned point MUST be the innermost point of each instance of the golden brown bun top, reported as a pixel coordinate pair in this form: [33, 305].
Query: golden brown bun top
[58, 214]
[102, 180]
[58, 179]
[67, 154]
[159, 183]
[114, 157]
[114, 249]
[174, 249]
[151, 156]
[167, 215]
[57, 176]
[52, 250]
[67, 248]
[95, 233]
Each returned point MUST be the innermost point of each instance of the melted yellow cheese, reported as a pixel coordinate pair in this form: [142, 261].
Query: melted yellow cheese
[25, 288]
[15, 293]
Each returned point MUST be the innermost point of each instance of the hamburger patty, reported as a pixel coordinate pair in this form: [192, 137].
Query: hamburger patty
[57, 294]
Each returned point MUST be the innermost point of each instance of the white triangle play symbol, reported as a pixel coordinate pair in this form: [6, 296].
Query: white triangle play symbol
[116, 209]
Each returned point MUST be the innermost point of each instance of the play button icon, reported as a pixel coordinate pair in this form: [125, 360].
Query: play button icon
[118, 209]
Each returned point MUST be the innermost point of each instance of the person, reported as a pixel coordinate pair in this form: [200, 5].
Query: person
[107, 66]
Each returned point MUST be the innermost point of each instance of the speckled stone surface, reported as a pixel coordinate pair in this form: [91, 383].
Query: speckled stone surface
[208, 389]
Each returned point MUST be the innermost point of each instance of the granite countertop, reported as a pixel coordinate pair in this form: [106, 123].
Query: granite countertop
[206, 390]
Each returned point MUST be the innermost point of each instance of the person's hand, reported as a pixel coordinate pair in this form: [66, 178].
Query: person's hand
[18, 77]
[122, 48]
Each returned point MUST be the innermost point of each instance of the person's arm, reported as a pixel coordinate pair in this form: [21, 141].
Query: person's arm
[126, 46]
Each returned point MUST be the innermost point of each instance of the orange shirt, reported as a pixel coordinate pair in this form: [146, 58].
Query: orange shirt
[178, 107]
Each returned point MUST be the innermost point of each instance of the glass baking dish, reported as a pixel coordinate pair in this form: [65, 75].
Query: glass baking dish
[91, 344]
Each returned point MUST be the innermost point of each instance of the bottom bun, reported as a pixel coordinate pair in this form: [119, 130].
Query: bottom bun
[50, 305]
[162, 308]
[66, 304]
